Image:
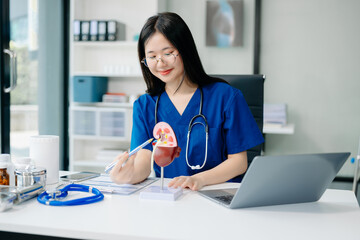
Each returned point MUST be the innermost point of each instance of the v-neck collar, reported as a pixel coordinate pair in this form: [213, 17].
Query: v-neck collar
[191, 109]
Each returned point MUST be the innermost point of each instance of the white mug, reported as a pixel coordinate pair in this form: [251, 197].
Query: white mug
[44, 150]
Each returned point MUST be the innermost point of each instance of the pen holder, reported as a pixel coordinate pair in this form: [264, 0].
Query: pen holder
[44, 149]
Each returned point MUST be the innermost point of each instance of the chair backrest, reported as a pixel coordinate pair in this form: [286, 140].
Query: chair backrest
[252, 87]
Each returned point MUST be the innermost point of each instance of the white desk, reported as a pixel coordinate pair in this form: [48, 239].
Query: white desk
[335, 216]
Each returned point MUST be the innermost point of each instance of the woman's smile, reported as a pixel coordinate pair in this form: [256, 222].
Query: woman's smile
[166, 72]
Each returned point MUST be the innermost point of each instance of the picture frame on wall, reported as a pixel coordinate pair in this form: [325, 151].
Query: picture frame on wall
[224, 23]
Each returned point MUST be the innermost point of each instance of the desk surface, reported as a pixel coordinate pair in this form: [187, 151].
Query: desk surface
[335, 216]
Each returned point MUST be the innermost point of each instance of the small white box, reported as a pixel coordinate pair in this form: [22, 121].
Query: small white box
[119, 98]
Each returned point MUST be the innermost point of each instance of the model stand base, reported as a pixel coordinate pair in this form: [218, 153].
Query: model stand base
[156, 193]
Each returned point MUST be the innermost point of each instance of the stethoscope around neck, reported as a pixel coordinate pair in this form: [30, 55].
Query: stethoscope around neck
[191, 125]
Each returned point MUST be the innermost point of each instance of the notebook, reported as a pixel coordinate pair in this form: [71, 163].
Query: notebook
[274, 180]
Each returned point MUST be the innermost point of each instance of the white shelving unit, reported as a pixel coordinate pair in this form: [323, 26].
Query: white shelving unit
[94, 127]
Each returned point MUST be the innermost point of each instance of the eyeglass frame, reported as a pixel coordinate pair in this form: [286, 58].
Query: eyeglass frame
[157, 60]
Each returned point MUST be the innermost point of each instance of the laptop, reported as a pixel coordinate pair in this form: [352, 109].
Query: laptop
[275, 180]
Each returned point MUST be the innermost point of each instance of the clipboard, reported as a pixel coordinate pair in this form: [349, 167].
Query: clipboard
[106, 186]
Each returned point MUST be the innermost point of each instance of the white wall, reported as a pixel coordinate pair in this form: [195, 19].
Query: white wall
[234, 60]
[310, 53]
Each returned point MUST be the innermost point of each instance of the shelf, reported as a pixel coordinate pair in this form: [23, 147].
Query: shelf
[105, 44]
[99, 138]
[90, 163]
[118, 62]
[102, 104]
[286, 129]
[101, 74]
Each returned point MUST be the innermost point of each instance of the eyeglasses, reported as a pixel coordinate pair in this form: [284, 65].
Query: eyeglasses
[167, 58]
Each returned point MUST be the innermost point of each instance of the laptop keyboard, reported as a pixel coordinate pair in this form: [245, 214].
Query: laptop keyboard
[225, 199]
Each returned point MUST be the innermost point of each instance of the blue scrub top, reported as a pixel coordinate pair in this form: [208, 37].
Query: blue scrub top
[232, 128]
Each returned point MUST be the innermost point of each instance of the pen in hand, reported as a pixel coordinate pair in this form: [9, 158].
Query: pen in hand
[111, 165]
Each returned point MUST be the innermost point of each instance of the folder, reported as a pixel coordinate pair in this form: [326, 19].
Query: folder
[102, 29]
[76, 29]
[93, 30]
[85, 30]
[111, 30]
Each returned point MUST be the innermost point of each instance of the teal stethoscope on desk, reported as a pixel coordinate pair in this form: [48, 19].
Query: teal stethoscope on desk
[191, 124]
[54, 198]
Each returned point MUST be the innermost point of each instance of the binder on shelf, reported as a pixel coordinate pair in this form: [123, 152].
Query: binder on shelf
[77, 30]
[93, 30]
[102, 30]
[111, 30]
[85, 30]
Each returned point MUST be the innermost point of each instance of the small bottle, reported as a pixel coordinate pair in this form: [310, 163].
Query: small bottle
[5, 161]
[4, 175]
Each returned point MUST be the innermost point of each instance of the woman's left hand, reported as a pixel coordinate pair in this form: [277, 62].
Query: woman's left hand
[192, 182]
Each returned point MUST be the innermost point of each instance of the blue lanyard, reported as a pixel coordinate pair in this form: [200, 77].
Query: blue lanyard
[54, 198]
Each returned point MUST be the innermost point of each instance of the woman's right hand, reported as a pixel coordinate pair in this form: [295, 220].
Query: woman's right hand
[123, 171]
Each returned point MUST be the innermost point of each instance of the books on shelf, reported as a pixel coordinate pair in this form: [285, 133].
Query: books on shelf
[275, 115]
[98, 30]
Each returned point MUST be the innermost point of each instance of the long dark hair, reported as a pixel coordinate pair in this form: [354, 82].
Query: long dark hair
[173, 27]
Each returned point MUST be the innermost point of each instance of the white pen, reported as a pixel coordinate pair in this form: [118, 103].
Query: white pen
[111, 165]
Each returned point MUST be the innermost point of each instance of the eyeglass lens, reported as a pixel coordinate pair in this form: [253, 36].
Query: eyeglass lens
[166, 59]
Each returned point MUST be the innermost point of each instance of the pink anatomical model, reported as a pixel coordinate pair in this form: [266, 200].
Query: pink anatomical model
[166, 148]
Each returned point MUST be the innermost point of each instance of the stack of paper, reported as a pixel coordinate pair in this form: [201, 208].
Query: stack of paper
[105, 185]
[115, 97]
[275, 115]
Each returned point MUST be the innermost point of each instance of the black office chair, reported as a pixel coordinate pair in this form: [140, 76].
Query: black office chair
[252, 87]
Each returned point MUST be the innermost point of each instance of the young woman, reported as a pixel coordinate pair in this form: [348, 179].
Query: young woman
[175, 78]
